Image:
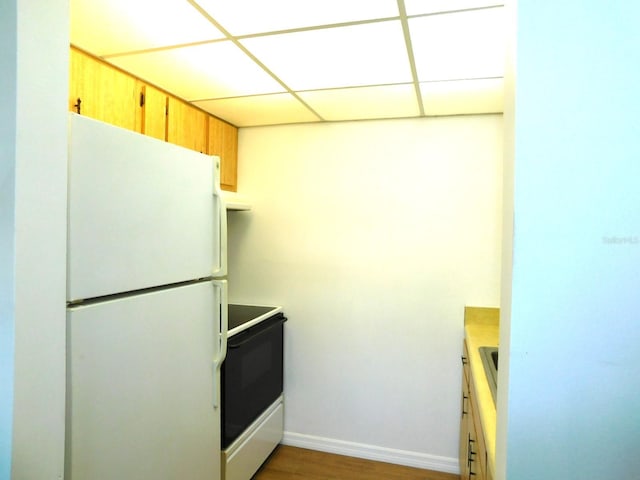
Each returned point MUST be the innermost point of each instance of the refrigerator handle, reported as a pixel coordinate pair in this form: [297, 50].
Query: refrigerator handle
[222, 327]
[224, 317]
[222, 218]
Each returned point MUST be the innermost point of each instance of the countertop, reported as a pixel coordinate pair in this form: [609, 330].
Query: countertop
[482, 326]
[242, 317]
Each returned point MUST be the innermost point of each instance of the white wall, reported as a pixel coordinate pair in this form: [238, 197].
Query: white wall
[33, 139]
[573, 406]
[507, 242]
[373, 236]
[8, 81]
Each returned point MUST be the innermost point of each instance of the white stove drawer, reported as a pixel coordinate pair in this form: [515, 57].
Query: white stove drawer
[243, 458]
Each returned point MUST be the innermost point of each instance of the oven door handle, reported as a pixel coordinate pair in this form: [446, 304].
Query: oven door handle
[257, 334]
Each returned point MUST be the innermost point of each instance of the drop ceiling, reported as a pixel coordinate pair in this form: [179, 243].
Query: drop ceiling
[259, 62]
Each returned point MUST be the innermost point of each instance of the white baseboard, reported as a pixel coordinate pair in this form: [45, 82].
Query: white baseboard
[372, 452]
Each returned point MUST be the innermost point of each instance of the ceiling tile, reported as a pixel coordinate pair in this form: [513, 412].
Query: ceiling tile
[356, 55]
[458, 46]
[241, 17]
[199, 72]
[259, 110]
[347, 72]
[417, 7]
[105, 27]
[387, 101]
[463, 97]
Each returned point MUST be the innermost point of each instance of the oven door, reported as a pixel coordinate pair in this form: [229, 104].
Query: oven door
[251, 375]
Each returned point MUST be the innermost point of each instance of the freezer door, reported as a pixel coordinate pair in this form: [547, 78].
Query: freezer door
[141, 402]
[142, 212]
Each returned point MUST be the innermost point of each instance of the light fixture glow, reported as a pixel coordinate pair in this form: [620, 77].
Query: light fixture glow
[215, 70]
[105, 27]
[418, 7]
[460, 45]
[242, 17]
[259, 110]
[463, 97]
[336, 57]
[387, 101]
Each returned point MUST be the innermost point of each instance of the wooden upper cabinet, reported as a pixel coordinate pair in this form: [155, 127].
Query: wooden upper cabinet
[109, 94]
[186, 125]
[101, 91]
[223, 141]
[152, 118]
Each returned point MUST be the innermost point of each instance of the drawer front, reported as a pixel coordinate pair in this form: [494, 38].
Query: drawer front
[254, 450]
[465, 362]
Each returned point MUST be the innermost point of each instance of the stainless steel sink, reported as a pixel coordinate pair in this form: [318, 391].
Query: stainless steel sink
[489, 356]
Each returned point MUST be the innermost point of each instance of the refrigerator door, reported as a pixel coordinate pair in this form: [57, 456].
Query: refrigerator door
[142, 212]
[141, 396]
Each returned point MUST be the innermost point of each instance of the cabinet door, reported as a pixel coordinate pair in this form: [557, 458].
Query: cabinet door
[223, 141]
[464, 431]
[472, 453]
[101, 91]
[480, 458]
[152, 117]
[476, 470]
[186, 125]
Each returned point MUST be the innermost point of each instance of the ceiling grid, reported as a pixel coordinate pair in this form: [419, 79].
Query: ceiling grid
[253, 63]
[412, 61]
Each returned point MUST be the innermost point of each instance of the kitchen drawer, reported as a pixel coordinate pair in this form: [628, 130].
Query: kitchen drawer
[243, 458]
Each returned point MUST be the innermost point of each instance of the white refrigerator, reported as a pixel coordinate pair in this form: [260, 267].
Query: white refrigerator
[147, 307]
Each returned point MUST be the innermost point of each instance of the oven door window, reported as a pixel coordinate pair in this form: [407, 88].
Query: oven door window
[251, 376]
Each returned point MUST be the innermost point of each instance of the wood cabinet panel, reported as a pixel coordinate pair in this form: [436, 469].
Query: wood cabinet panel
[480, 457]
[473, 453]
[113, 96]
[223, 141]
[153, 112]
[105, 93]
[464, 431]
[186, 125]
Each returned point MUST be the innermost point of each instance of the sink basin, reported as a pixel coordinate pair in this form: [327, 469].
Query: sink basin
[489, 356]
[494, 358]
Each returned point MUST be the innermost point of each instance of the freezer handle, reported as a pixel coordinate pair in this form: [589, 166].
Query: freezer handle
[221, 271]
[221, 328]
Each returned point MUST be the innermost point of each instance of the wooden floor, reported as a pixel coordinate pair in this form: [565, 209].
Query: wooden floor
[290, 463]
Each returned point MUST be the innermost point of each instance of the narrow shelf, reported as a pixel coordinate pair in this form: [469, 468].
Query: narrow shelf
[235, 202]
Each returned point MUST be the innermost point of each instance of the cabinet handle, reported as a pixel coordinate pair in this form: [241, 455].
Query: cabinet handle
[471, 453]
[464, 412]
[77, 105]
[471, 461]
[464, 360]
